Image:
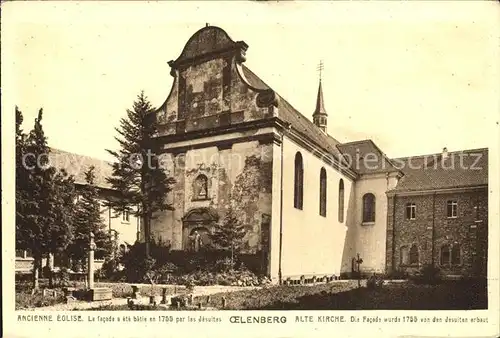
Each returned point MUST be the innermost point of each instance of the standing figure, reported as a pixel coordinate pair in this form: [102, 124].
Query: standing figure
[196, 241]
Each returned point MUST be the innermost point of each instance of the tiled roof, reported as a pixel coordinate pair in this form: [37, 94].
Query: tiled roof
[77, 165]
[299, 122]
[466, 168]
[366, 158]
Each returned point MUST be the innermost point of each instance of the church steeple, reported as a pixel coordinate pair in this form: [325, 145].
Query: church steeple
[320, 116]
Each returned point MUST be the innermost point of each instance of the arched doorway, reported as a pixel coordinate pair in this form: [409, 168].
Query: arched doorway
[197, 226]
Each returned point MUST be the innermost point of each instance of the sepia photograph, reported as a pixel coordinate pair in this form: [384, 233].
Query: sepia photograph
[331, 156]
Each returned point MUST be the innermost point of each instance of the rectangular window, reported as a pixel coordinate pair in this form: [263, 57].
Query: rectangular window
[445, 255]
[126, 216]
[411, 211]
[413, 254]
[455, 255]
[451, 209]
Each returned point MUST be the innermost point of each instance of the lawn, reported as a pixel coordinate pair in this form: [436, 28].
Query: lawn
[450, 295]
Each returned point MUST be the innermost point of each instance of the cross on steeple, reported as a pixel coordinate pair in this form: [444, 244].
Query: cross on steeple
[320, 68]
[320, 116]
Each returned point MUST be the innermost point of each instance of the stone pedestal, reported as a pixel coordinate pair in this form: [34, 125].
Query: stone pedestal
[100, 294]
[93, 292]
[90, 271]
[90, 263]
[164, 299]
[135, 292]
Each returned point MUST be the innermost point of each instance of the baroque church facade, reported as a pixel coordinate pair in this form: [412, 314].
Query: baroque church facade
[310, 204]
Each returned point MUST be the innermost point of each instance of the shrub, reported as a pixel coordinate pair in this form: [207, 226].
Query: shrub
[109, 269]
[64, 277]
[165, 272]
[397, 274]
[374, 282]
[25, 300]
[179, 301]
[224, 265]
[429, 274]
[137, 266]
[189, 284]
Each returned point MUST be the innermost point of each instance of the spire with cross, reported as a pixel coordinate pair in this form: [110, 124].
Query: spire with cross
[320, 115]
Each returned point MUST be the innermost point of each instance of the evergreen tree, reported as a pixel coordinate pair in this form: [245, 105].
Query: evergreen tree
[229, 234]
[21, 179]
[137, 174]
[61, 213]
[43, 215]
[88, 219]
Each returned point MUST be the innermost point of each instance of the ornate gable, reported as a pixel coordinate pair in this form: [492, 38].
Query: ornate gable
[210, 89]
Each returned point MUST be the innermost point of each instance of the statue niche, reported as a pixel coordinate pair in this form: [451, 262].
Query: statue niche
[200, 188]
[198, 224]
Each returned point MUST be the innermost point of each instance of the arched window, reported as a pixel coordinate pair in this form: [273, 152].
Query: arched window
[455, 255]
[200, 188]
[413, 254]
[322, 192]
[298, 193]
[369, 208]
[445, 255]
[341, 201]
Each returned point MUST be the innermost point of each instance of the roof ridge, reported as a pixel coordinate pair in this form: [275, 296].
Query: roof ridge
[438, 154]
[57, 150]
[356, 142]
[298, 113]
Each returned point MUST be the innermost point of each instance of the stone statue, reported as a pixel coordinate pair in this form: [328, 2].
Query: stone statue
[197, 243]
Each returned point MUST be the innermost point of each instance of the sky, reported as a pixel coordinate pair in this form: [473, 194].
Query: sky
[413, 76]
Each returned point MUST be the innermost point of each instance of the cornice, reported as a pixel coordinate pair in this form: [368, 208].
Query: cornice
[438, 191]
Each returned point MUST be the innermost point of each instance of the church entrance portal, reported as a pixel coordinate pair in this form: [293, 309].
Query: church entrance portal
[198, 224]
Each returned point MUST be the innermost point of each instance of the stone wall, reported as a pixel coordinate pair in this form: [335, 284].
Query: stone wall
[240, 174]
[208, 95]
[468, 231]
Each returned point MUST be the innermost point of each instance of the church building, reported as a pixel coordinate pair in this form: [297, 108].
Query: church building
[310, 204]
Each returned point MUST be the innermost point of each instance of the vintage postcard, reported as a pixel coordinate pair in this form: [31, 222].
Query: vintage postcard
[250, 169]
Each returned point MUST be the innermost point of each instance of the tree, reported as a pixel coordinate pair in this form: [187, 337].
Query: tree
[88, 219]
[61, 212]
[43, 214]
[21, 180]
[229, 234]
[137, 174]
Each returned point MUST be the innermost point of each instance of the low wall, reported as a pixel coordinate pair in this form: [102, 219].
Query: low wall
[25, 265]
